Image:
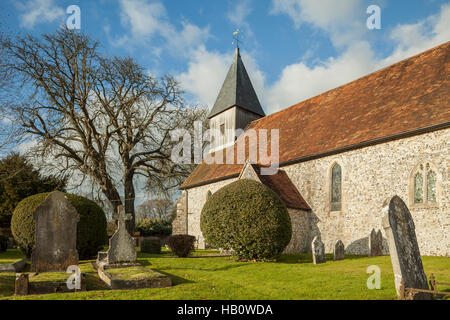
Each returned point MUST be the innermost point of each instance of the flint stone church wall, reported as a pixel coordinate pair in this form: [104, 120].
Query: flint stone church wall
[370, 175]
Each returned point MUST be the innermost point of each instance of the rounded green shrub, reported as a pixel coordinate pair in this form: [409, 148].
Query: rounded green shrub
[151, 245]
[91, 229]
[181, 244]
[248, 218]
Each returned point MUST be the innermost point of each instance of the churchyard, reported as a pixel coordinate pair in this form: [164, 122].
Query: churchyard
[271, 243]
[292, 277]
[53, 270]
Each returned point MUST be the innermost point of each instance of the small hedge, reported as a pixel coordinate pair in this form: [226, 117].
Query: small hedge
[91, 229]
[151, 245]
[3, 243]
[249, 218]
[181, 245]
[152, 227]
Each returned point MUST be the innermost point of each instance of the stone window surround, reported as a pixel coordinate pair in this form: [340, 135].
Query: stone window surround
[329, 185]
[425, 203]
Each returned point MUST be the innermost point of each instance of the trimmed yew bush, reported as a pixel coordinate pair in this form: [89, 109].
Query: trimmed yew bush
[249, 218]
[91, 229]
[181, 244]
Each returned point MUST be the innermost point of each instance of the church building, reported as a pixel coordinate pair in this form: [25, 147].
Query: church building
[342, 154]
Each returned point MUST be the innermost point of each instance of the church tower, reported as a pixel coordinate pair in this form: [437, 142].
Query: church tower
[236, 106]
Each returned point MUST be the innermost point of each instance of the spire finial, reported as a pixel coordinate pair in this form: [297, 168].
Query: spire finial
[237, 37]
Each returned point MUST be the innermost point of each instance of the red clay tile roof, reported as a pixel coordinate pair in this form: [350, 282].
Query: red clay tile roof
[405, 98]
[282, 185]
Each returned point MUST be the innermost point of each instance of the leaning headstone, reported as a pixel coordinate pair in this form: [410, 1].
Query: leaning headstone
[403, 247]
[339, 250]
[56, 234]
[318, 250]
[121, 245]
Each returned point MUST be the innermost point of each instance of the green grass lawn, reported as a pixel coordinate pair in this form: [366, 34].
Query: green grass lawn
[224, 278]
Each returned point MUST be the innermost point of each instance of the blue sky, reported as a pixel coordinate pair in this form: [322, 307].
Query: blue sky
[293, 49]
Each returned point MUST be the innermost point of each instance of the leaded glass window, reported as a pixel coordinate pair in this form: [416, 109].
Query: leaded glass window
[336, 188]
[425, 184]
[431, 186]
[418, 188]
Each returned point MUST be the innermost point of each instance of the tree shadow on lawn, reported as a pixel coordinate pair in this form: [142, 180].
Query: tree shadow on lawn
[231, 266]
[176, 280]
[7, 283]
[144, 262]
[307, 258]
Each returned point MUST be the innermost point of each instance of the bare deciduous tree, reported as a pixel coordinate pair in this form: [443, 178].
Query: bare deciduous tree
[8, 131]
[160, 209]
[105, 118]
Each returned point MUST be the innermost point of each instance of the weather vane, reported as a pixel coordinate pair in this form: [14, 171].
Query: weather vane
[237, 37]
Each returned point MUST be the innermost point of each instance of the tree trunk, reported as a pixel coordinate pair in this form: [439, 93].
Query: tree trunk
[129, 201]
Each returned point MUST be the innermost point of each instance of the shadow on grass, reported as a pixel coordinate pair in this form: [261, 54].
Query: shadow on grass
[176, 280]
[307, 258]
[229, 267]
[93, 282]
[144, 262]
[7, 282]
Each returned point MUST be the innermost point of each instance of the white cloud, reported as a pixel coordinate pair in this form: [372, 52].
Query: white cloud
[205, 74]
[299, 81]
[344, 21]
[238, 13]
[143, 17]
[412, 39]
[148, 19]
[38, 11]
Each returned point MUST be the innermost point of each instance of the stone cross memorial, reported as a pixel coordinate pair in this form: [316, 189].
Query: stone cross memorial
[403, 247]
[375, 243]
[121, 245]
[56, 223]
[318, 250]
[339, 251]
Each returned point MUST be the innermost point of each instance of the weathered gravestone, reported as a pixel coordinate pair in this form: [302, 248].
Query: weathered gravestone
[56, 234]
[403, 247]
[339, 250]
[375, 243]
[121, 245]
[318, 250]
[118, 267]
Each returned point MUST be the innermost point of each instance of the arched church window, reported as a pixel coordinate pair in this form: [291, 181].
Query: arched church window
[336, 188]
[209, 194]
[431, 186]
[418, 188]
[424, 184]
